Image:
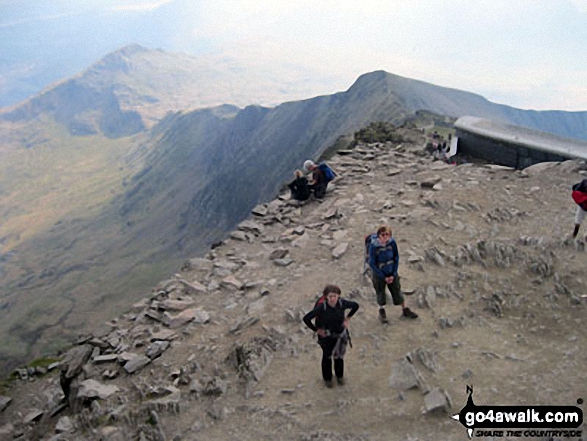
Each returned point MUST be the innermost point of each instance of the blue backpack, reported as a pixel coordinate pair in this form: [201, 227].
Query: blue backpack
[328, 172]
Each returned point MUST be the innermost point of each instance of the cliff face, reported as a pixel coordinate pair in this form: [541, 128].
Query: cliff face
[219, 350]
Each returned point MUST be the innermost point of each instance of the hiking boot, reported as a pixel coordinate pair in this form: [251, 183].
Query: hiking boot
[407, 312]
[328, 384]
[383, 316]
[340, 380]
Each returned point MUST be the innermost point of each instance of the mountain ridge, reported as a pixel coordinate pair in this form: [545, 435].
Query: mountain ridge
[219, 351]
[198, 174]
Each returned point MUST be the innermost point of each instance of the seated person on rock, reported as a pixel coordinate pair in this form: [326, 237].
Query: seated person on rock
[319, 181]
[299, 187]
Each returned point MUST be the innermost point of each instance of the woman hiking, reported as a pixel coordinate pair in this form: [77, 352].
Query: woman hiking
[384, 261]
[332, 329]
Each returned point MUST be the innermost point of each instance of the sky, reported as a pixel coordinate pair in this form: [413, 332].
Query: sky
[530, 54]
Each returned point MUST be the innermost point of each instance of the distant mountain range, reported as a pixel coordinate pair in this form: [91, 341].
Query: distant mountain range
[133, 88]
[195, 174]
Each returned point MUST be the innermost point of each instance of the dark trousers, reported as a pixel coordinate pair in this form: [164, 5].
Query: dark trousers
[319, 190]
[394, 288]
[327, 344]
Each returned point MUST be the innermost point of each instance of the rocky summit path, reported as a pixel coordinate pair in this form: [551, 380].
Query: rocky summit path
[219, 351]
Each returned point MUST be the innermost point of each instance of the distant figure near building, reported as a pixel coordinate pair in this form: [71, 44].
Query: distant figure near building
[332, 329]
[580, 197]
[299, 187]
[384, 262]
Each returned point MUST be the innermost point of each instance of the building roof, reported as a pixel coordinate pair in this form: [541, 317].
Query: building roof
[523, 136]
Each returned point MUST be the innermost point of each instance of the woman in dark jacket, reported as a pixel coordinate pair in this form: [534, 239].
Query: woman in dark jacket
[332, 329]
[299, 187]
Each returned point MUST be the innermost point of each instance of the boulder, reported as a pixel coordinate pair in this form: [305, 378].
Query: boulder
[232, 283]
[260, 210]
[283, 262]
[156, 348]
[197, 315]
[90, 389]
[339, 250]
[175, 305]
[4, 402]
[437, 400]
[405, 376]
[32, 415]
[136, 363]
[64, 425]
[278, 253]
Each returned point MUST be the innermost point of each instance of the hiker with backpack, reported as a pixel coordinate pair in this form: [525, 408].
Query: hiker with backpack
[579, 195]
[322, 174]
[384, 262]
[299, 187]
[331, 325]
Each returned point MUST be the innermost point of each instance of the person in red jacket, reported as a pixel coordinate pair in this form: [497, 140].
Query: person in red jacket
[580, 197]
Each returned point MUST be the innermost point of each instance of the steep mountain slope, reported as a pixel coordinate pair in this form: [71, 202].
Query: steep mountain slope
[134, 87]
[418, 95]
[219, 351]
[203, 171]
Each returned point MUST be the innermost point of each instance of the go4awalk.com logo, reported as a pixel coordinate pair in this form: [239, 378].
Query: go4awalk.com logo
[520, 421]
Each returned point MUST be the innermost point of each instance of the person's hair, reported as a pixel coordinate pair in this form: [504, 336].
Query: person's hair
[331, 288]
[298, 173]
[384, 229]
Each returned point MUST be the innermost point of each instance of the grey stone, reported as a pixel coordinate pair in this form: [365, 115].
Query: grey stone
[231, 283]
[32, 415]
[74, 360]
[4, 402]
[437, 400]
[430, 182]
[239, 235]
[278, 253]
[332, 214]
[251, 227]
[196, 315]
[215, 386]
[171, 398]
[164, 334]
[175, 305]
[136, 363]
[340, 249]
[193, 288]
[107, 358]
[299, 231]
[64, 425]
[405, 376]
[156, 348]
[93, 389]
[283, 262]
[260, 210]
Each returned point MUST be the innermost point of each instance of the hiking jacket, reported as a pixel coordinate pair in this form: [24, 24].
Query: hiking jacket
[580, 199]
[330, 318]
[300, 189]
[580, 194]
[318, 177]
[384, 259]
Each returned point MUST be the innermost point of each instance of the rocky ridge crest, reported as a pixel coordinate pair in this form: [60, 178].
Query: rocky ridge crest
[219, 350]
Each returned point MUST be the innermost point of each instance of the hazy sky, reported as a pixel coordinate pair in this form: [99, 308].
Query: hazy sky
[530, 54]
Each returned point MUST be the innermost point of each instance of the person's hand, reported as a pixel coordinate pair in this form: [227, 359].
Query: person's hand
[321, 332]
[346, 322]
[389, 279]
